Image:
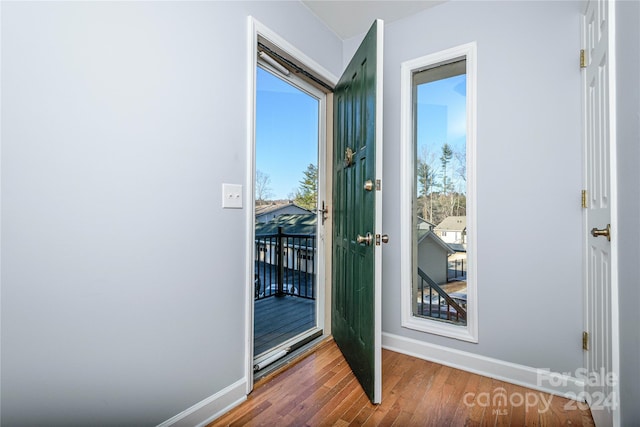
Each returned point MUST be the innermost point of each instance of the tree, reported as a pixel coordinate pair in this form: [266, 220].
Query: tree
[425, 175]
[440, 183]
[445, 159]
[263, 190]
[307, 195]
[461, 157]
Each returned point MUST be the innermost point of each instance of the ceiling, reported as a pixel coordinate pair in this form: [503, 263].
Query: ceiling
[348, 18]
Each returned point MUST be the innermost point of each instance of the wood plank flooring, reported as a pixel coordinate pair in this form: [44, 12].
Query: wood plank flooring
[320, 390]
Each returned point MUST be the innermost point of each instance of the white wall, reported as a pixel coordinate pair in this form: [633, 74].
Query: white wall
[529, 174]
[122, 277]
[628, 58]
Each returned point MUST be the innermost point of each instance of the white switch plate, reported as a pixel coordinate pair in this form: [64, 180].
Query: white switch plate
[232, 196]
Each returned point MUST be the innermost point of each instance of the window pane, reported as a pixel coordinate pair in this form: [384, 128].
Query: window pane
[440, 238]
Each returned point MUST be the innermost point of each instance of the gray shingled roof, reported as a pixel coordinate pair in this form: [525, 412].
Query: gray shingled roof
[290, 223]
[453, 223]
[265, 209]
[429, 234]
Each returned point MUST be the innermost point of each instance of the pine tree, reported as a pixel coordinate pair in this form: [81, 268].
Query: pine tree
[425, 175]
[445, 159]
[307, 195]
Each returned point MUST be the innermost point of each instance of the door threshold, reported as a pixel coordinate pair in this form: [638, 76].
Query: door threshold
[295, 353]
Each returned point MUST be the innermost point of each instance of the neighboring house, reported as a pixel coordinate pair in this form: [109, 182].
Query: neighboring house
[423, 224]
[266, 213]
[433, 254]
[298, 223]
[299, 253]
[453, 230]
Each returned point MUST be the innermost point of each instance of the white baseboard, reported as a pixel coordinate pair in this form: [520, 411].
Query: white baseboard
[536, 379]
[207, 410]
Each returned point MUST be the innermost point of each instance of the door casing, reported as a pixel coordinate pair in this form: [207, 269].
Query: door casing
[257, 30]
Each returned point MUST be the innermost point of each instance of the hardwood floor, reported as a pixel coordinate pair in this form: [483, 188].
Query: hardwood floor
[321, 390]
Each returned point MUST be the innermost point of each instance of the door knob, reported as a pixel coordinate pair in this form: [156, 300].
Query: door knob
[606, 232]
[365, 239]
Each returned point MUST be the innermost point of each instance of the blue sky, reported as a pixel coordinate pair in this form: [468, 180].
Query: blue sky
[442, 118]
[287, 127]
[286, 133]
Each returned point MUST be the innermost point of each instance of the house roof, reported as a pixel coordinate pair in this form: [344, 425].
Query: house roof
[429, 234]
[458, 247]
[290, 223]
[453, 223]
[265, 209]
[424, 224]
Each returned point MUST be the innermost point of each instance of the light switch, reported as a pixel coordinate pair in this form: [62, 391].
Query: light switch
[232, 196]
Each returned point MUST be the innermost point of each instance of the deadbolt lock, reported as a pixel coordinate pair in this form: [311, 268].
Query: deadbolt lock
[384, 238]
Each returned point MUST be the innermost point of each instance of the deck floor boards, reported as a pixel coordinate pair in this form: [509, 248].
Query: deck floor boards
[276, 319]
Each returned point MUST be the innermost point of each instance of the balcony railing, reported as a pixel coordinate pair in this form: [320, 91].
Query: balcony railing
[456, 268]
[435, 302]
[285, 265]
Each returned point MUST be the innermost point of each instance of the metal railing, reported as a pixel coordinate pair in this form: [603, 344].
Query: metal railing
[435, 302]
[285, 264]
[455, 269]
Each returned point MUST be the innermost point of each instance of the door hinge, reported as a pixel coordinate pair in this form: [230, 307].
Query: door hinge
[585, 341]
[584, 199]
[583, 61]
[378, 185]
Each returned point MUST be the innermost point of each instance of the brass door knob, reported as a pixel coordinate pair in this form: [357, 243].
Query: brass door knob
[365, 239]
[605, 232]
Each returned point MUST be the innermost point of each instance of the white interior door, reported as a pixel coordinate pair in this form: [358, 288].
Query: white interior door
[599, 143]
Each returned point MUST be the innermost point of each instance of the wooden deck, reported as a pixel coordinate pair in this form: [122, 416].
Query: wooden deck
[276, 319]
[321, 390]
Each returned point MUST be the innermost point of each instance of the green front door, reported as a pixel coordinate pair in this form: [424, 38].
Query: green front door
[355, 314]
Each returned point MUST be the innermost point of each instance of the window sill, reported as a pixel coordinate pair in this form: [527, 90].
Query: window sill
[463, 333]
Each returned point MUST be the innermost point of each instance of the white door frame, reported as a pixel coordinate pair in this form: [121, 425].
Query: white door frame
[255, 30]
[612, 346]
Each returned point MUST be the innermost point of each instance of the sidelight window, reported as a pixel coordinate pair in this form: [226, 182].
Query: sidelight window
[439, 283]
